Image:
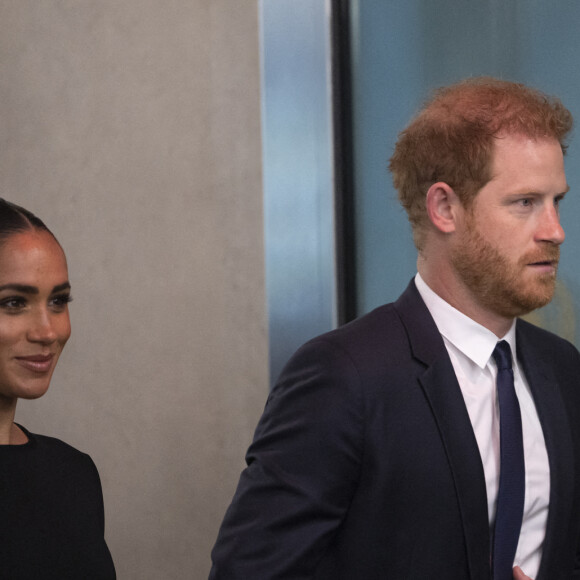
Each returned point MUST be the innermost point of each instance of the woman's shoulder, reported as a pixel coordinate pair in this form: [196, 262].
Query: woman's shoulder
[54, 448]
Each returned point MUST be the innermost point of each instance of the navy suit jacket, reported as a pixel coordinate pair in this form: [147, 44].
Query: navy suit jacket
[365, 466]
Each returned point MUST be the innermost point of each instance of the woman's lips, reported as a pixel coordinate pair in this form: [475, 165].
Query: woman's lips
[36, 363]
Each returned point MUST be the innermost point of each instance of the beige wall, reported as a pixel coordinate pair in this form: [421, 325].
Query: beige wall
[132, 129]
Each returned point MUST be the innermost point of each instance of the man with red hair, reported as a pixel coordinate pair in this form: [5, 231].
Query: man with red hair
[438, 436]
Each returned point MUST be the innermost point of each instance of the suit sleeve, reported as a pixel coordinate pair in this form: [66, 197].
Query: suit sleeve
[302, 470]
[576, 570]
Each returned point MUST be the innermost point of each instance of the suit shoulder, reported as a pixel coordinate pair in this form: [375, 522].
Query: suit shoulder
[371, 332]
[543, 338]
[379, 323]
[374, 345]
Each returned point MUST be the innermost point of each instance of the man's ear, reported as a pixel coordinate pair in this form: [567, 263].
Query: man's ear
[442, 204]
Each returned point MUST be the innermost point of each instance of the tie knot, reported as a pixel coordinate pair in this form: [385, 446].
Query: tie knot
[502, 355]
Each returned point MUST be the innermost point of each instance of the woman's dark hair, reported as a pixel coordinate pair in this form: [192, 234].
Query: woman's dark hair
[15, 219]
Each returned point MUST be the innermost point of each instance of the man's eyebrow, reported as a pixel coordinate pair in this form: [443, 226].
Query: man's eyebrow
[26, 289]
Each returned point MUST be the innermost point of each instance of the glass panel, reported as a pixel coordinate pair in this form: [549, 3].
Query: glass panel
[298, 173]
[400, 51]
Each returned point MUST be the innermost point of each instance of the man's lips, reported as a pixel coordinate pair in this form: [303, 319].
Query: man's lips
[547, 266]
[38, 363]
[545, 259]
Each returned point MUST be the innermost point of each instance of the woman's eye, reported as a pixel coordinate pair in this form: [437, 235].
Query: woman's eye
[12, 303]
[59, 302]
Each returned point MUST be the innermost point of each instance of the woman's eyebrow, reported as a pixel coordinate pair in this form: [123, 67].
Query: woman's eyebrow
[61, 287]
[25, 289]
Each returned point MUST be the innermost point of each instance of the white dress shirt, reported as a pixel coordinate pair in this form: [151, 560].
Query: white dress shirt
[470, 346]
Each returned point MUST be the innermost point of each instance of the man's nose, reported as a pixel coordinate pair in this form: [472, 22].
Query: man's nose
[550, 229]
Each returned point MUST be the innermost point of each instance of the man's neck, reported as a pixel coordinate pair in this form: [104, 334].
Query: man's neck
[444, 285]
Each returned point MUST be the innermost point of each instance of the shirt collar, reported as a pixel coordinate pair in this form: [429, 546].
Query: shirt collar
[471, 338]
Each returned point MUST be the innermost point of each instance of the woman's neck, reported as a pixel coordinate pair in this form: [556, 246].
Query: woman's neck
[10, 434]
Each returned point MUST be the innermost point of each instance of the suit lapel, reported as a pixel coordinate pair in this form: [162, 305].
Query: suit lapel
[554, 420]
[442, 390]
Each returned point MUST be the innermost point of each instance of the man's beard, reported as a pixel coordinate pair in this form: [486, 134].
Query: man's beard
[500, 286]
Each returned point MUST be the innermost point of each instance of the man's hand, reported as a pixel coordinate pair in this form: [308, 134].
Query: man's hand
[519, 575]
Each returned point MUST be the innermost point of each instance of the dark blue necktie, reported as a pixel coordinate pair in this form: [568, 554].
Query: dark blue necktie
[512, 485]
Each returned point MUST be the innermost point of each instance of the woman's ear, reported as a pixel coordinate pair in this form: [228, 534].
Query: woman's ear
[442, 203]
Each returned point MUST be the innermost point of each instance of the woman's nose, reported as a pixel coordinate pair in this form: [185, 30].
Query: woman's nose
[42, 330]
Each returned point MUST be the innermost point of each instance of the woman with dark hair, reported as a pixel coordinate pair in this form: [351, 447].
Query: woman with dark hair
[51, 503]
